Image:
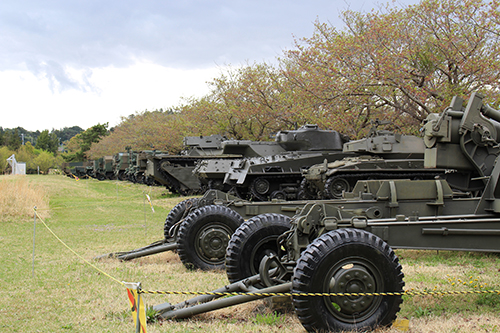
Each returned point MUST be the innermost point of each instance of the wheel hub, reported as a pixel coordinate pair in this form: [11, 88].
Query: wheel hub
[213, 242]
[352, 280]
[261, 186]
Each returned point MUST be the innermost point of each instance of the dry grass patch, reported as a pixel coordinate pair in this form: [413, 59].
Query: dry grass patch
[18, 196]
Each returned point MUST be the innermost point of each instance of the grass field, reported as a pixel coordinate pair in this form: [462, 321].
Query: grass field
[64, 294]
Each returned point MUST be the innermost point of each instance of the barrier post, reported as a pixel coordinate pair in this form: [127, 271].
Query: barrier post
[136, 306]
[144, 205]
[34, 233]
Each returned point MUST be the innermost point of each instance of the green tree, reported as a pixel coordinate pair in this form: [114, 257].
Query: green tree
[67, 133]
[45, 160]
[398, 63]
[27, 154]
[5, 153]
[13, 139]
[80, 144]
[48, 142]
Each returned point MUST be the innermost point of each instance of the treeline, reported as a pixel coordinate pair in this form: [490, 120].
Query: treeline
[397, 64]
[39, 150]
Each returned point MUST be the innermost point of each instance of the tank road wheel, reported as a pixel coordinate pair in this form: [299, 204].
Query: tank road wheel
[253, 240]
[177, 213]
[278, 195]
[260, 188]
[203, 236]
[216, 184]
[335, 186]
[347, 261]
[307, 191]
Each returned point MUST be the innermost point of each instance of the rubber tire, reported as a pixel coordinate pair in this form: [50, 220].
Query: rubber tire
[251, 241]
[206, 219]
[327, 255]
[176, 214]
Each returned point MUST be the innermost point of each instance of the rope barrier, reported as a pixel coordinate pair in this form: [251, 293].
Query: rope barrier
[396, 293]
[74, 252]
[399, 293]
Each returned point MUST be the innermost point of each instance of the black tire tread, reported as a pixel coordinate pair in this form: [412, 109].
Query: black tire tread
[176, 214]
[304, 272]
[187, 231]
[234, 261]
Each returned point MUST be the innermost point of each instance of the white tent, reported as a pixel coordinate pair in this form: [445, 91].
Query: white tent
[18, 168]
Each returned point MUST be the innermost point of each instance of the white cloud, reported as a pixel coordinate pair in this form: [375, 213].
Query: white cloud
[28, 101]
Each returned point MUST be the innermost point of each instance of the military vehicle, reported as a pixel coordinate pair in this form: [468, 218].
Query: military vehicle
[276, 173]
[78, 169]
[211, 172]
[120, 165]
[336, 256]
[130, 170]
[103, 168]
[175, 172]
[328, 180]
[281, 176]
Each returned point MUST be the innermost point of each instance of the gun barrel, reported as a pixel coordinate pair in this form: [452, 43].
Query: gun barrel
[491, 113]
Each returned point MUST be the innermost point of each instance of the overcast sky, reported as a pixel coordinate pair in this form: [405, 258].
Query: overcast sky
[82, 62]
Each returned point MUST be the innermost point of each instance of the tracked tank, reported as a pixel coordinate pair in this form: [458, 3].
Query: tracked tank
[275, 173]
[175, 172]
[211, 172]
[382, 154]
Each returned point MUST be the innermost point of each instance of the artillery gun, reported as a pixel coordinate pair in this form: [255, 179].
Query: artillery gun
[274, 174]
[341, 250]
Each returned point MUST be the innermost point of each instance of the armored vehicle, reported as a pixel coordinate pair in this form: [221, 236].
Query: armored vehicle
[176, 171]
[132, 166]
[78, 169]
[281, 176]
[336, 256]
[383, 154]
[120, 165]
[211, 172]
[276, 173]
[103, 168]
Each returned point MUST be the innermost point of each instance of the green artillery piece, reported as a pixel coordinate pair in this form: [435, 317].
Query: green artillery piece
[345, 245]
